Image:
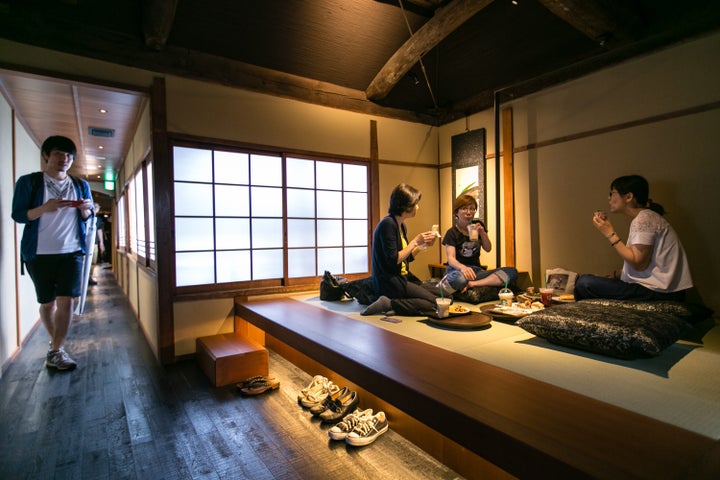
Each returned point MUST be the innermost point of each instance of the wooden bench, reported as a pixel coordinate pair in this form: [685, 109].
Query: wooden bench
[229, 358]
[521, 425]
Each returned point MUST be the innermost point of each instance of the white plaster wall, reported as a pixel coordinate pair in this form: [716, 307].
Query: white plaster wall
[27, 161]
[201, 318]
[8, 311]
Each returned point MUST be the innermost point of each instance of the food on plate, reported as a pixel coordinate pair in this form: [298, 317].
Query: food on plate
[537, 305]
[566, 297]
[458, 309]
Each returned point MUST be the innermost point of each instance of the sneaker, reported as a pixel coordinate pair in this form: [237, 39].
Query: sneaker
[368, 430]
[60, 359]
[317, 397]
[339, 407]
[342, 429]
[316, 384]
[320, 408]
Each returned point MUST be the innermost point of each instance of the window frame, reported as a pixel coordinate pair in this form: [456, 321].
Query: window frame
[142, 251]
[284, 282]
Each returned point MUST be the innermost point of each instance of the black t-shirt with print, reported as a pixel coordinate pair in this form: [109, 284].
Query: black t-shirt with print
[466, 251]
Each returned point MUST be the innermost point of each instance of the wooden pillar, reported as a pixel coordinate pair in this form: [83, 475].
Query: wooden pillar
[508, 187]
[162, 178]
[374, 182]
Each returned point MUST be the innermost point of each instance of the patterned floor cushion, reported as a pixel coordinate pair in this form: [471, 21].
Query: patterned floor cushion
[600, 327]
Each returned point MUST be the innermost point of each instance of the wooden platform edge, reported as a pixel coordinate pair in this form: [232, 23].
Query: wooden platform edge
[561, 433]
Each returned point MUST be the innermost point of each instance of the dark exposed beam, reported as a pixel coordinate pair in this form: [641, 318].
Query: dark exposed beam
[445, 21]
[158, 18]
[595, 19]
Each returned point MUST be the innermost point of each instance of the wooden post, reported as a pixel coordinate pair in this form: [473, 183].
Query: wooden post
[508, 187]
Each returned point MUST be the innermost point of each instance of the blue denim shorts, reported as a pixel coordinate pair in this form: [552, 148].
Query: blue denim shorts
[56, 275]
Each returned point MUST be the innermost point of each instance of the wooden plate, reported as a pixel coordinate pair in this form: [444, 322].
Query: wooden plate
[465, 321]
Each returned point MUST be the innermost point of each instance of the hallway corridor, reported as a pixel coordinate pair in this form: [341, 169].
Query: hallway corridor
[120, 415]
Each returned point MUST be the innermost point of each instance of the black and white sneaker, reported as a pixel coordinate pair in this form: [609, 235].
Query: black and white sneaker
[348, 424]
[367, 431]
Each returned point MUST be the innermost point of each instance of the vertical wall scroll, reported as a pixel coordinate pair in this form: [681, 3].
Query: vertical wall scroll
[468, 167]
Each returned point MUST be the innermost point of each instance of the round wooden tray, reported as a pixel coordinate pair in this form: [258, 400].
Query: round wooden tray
[469, 321]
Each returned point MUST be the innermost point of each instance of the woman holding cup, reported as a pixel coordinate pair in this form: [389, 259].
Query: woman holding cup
[399, 291]
[462, 248]
[655, 266]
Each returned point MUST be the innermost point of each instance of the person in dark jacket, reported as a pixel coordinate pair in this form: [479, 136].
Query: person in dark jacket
[399, 291]
[54, 207]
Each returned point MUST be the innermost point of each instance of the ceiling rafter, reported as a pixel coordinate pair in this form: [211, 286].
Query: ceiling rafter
[446, 20]
[596, 19]
[158, 18]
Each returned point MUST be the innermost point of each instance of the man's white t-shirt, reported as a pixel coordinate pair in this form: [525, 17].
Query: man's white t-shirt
[57, 232]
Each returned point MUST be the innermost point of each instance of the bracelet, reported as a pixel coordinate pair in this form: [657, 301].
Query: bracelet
[615, 242]
[610, 236]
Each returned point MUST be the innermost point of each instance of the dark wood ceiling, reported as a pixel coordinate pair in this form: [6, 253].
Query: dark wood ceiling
[430, 61]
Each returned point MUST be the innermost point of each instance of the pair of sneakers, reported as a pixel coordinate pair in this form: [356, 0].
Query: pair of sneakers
[360, 428]
[60, 360]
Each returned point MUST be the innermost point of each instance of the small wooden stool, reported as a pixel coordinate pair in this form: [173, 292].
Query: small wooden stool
[230, 358]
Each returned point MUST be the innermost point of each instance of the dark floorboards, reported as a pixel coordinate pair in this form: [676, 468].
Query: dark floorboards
[120, 415]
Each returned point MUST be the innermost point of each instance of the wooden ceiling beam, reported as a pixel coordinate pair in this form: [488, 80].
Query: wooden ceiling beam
[596, 19]
[445, 21]
[158, 18]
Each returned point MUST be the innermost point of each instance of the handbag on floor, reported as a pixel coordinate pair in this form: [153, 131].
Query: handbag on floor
[331, 288]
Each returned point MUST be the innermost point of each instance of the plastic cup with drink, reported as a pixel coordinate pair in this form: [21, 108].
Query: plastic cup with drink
[546, 296]
[443, 307]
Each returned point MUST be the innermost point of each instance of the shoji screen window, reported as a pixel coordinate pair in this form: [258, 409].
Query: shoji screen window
[239, 215]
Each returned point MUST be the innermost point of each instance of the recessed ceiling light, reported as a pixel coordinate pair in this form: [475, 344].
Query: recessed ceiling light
[100, 147]
[102, 110]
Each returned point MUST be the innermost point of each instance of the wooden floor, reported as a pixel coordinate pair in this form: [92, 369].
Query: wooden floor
[120, 415]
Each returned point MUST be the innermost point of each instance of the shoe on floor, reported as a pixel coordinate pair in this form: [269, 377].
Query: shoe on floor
[317, 397]
[321, 407]
[316, 384]
[367, 431]
[339, 407]
[351, 420]
[258, 386]
[60, 359]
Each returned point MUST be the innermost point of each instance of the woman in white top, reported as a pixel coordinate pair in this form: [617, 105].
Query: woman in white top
[655, 266]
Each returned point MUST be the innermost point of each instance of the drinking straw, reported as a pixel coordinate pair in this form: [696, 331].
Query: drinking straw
[506, 282]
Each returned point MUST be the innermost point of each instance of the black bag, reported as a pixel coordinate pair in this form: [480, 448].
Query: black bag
[331, 287]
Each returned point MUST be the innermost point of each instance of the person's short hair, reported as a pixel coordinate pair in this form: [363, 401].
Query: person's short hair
[464, 200]
[403, 199]
[60, 143]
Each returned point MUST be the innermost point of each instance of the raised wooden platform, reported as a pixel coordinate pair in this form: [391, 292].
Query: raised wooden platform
[521, 425]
